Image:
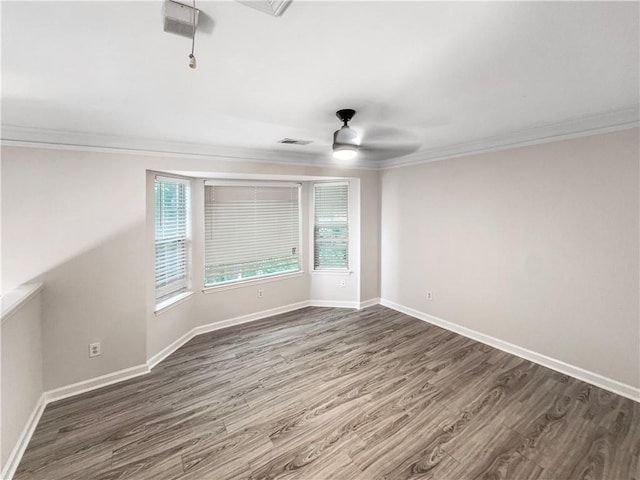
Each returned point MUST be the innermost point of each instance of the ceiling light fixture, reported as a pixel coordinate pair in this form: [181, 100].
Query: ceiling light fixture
[192, 58]
[345, 152]
[345, 140]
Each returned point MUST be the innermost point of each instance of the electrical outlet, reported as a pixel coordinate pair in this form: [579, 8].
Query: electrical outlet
[94, 349]
[343, 283]
[260, 293]
[430, 295]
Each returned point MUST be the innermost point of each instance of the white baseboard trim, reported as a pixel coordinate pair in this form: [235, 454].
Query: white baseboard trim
[251, 317]
[368, 303]
[169, 349]
[596, 379]
[9, 468]
[94, 383]
[334, 304]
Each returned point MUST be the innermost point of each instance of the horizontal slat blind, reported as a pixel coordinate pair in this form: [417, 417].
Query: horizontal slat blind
[250, 231]
[331, 226]
[171, 238]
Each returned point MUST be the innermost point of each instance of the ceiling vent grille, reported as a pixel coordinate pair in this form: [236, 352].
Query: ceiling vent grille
[178, 18]
[293, 141]
[271, 7]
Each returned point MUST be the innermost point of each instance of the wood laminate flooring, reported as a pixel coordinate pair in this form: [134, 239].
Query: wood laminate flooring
[325, 393]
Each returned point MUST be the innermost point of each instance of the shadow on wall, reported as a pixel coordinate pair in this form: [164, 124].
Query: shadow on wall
[96, 296]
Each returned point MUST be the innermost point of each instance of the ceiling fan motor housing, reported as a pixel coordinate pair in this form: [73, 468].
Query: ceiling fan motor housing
[345, 136]
[345, 140]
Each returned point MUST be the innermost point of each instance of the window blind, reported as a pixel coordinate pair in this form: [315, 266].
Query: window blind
[331, 226]
[172, 231]
[251, 231]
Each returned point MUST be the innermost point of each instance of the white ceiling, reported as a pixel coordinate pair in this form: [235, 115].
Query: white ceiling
[425, 75]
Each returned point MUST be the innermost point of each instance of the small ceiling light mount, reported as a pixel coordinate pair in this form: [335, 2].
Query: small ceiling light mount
[178, 18]
[345, 140]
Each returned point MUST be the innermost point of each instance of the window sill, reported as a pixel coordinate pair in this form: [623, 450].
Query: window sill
[172, 302]
[332, 272]
[248, 283]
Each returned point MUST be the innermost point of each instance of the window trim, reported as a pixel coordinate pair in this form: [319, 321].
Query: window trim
[185, 293]
[327, 271]
[174, 301]
[241, 282]
[247, 282]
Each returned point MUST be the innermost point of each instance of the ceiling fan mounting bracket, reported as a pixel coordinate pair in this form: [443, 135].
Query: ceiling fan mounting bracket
[345, 115]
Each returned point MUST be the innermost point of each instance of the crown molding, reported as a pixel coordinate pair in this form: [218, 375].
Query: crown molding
[575, 127]
[12, 135]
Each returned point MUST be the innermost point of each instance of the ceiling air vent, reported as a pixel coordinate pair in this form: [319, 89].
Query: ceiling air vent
[178, 18]
[271, 7]
[293, 141]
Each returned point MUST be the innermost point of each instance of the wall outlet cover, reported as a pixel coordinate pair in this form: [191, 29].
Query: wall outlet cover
[94, 349]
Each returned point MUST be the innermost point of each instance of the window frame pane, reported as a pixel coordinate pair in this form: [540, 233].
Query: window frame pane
[241, 265]
[173, 272]
[338, 241]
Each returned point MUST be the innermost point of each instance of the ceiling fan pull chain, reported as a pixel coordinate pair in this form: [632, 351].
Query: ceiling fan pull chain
[192, 57]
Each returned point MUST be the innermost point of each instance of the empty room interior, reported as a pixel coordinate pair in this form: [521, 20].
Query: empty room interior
[260, 239]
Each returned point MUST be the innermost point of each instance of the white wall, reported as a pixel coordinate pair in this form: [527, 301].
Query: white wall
[369, 243]
[21, 371]
[77, 221]
[537, 246]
